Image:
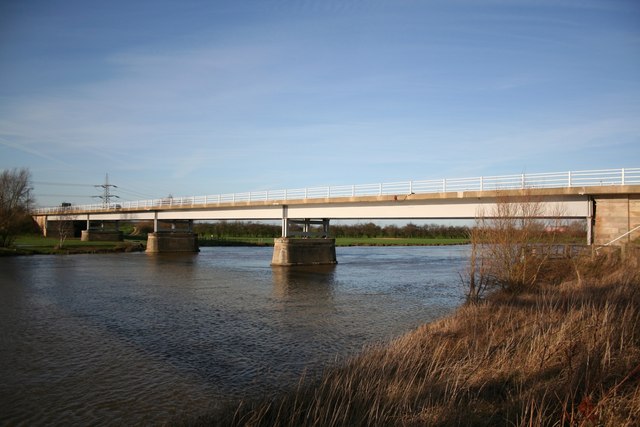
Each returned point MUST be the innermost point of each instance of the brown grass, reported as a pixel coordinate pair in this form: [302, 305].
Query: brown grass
[566, 354]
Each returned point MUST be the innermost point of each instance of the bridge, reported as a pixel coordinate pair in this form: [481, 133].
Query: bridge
[608, 200]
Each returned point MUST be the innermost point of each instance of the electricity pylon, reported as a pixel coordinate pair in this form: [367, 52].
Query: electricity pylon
[106, 193]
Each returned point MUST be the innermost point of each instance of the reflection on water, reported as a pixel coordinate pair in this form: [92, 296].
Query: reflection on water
[139, 339]
[310, 282]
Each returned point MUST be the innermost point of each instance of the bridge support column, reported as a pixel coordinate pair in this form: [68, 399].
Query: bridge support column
[290, 251]
[590, 222]
[173, 240]
[313, 249]
[176, 241]
[101, 234]
[42, 223]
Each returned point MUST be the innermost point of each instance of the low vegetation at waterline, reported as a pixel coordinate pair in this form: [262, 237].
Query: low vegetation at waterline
[565, 352]
[35, 244]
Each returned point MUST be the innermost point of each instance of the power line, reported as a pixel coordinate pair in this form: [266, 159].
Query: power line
[60, 195]
[134, 192]
[68, 184]
[130, 191]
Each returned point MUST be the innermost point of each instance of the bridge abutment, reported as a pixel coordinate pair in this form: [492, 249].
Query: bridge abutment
[615, 216]
[290, 251]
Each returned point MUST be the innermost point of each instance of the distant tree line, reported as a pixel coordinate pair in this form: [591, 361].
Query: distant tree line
[409, 230]
[222, 229]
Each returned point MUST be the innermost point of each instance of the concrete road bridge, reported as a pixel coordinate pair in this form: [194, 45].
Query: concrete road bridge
[608, 200]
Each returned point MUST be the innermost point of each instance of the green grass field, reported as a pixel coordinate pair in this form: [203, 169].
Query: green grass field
[34, 244]
[33, 241]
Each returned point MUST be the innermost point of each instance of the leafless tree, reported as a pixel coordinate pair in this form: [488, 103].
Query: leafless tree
[511, 243]
[64, 225]
[15, 198]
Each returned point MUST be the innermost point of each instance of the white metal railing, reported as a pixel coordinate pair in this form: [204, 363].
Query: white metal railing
[589, 178]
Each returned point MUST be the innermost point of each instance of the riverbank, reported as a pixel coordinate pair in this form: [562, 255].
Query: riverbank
[39, 245]
[566, 352]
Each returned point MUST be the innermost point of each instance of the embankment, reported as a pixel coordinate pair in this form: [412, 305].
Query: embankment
[74, 248]
[564, 353]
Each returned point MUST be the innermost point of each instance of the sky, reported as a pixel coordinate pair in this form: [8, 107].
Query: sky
[194, 97]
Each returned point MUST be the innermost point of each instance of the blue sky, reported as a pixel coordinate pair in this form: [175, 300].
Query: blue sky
[192, 97]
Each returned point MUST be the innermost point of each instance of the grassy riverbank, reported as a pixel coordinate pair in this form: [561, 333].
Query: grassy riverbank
[565, 352]
[340, 241]
[39, 245]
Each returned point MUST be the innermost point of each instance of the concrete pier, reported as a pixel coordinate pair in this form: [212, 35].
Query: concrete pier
[166, 241]
[105, 231]
[101, 236]
[290, 251]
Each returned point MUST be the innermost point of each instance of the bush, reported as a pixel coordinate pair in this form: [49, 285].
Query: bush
[511, 245]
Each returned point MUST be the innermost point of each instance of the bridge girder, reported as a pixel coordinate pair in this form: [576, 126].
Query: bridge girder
[558, 206]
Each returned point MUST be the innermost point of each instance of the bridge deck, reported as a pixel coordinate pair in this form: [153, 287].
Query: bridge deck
[572, 202]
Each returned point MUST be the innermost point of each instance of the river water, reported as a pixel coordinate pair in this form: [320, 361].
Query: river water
[131, 339]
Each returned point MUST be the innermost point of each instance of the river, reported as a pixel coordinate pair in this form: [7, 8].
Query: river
[137, 339]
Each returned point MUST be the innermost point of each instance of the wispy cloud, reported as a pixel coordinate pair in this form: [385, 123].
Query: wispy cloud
[373, 90]
[32, 151]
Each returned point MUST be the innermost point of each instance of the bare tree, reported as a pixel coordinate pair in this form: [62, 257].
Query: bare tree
[511, 244]
[64, 225]
[477, 276]
[15, 198]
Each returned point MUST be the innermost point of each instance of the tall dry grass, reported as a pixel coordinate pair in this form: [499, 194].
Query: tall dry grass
[565, 354]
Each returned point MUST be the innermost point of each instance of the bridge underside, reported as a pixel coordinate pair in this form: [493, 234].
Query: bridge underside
[364, 208]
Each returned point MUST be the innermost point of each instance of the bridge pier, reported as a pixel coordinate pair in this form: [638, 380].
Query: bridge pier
[167, 241]
[101, 234]
[290, 251]
[314, 248]
[173, 239]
